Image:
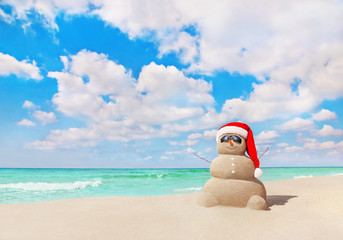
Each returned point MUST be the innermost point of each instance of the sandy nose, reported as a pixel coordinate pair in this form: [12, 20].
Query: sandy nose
[230, 142]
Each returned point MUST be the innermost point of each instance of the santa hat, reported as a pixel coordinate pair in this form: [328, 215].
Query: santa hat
[244, 131]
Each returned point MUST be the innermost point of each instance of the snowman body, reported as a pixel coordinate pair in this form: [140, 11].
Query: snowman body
[233, 182]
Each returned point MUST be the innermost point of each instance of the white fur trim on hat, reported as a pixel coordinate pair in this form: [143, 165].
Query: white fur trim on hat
[232, 129]
[258, 173]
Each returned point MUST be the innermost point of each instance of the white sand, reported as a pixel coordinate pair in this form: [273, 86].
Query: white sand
[307, 208]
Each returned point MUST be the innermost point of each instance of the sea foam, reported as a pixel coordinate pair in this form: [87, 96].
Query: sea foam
[303, 176]
[188, 189]
[44, 186]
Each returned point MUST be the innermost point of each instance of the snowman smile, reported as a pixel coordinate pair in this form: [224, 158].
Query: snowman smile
[231, 147]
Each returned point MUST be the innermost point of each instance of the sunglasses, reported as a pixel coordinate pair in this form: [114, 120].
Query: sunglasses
[234, 138]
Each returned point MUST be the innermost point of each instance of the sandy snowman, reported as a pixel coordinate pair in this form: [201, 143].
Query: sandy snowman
[234, 176]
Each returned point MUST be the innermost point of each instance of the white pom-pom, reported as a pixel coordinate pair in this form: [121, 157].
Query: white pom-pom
[258, 173]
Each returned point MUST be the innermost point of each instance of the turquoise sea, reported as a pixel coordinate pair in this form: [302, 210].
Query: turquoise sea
[35, 185]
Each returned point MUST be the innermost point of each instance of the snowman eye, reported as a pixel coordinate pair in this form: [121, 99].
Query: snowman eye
[234, 138]
[225, 138]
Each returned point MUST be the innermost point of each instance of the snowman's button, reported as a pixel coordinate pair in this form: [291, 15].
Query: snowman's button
[233, 164]
[233, 171]
[232, 158]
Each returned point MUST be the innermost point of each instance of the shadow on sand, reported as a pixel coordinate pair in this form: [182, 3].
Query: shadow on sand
[278, 199]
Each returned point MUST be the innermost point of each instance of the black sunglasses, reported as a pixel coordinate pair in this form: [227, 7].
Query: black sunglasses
[234, 138]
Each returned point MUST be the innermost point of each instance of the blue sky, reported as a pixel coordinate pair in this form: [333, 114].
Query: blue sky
[97, 83]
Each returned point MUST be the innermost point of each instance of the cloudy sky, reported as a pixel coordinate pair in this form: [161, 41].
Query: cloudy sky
[103, 83]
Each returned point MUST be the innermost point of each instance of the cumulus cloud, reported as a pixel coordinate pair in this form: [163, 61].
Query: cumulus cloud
[44, 117]
[26, 122]
[282, 144]
[315, 144]
[297, 124]
[185, 151]
[207, 134]
[10, 65]
[184, 143]
[195, 138]
[295, 70]
[324, 115]
[47, 9]
[70, 139]
[78, 97]
[333, 153]
[293, 149]
[210, 134]
[266, 137]
[6, 17]
[269, 100]
[119, 107]
[328, 131]
[181, 43]
[28, 104]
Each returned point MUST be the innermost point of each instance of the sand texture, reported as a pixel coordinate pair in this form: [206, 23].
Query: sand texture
[306, 208]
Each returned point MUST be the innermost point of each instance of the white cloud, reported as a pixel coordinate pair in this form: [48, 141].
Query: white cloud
[77, 97]
[333, 153]
[6, 17]
[70, 139]
[328, 131]
[26, 122]
[282, 144]
[266, 137]
[210, 134]
[9, 65]
[340, 145]
[161, 94]
[269, 100]
[195, 136]
[181, 43]
[207, 134]
[185, 151]
[296, 69]
[315, 144]
[48, 9]
[165, 86]
[161, 102]
[28, 104]
[297, 124]
[44, 117]
[184, 143]
[293, 149]
[209, 149]
[324, 115]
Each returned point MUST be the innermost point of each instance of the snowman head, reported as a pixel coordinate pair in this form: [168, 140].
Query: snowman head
[231, 143]
[228, 145]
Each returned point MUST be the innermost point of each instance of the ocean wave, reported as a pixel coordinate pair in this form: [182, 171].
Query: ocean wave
[188, 189]
[138, 176]
[303, 176]
[44, 186]
[339, 174]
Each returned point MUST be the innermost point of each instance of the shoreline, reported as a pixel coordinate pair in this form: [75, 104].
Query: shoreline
[303, 208]
[38, 185]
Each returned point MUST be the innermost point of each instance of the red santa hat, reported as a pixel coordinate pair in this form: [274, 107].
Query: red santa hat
[244, 131]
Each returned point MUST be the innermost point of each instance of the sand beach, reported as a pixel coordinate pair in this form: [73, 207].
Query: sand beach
[303, 208]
